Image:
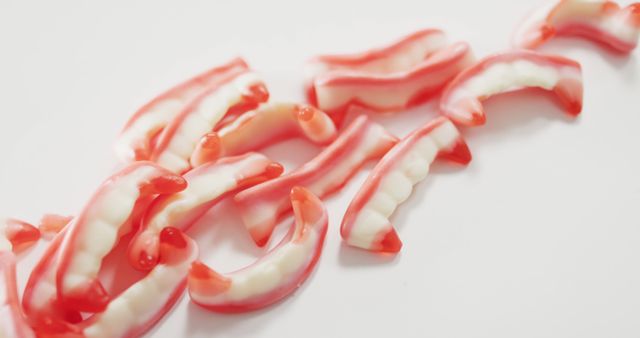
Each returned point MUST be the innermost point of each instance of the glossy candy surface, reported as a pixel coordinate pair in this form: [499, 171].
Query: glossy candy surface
[138, 138]
[366, 222]
[266, 125]
[511, 71]
[180, 138]
[262, 205]
[274, 276]
[206, 186]
[391, 78]
[95, 232]
[139, 307]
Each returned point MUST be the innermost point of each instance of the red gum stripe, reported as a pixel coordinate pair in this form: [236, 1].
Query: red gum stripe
[279, 188]
[8, 270]
[202, 79]
[596, 35]
[445, 58]
[590, 32]
[511, 56]
[386, 165]
[376, 53]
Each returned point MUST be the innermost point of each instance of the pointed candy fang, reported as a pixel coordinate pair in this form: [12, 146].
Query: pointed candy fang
[478, 119]
[306, 113]
[141, 154]
[391, 242]
[634, 10]
[569, 94]
[168, 184]
[173, 246]
[298, 194]
[272, 171]
[210, 141]
[52, 223]
[259, 93]
[260, 236]
[21, 234]
[207, 281]
[173, 237]
[147, 247]
[199, 271]
[208, 150]
[307, 207]
[147, 261]
[459, 153]
[547, 31]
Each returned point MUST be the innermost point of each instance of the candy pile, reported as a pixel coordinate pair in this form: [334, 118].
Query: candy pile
[195, 145]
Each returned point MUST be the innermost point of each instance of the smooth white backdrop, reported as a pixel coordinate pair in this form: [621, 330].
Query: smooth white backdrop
[538, 237]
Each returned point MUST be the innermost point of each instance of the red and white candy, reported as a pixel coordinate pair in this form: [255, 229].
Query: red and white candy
[366, 222]
[96, 231]
[390, 78]
[137, 139]
[601, 21]
[266, 125]
[206, 186]
[274, 276]
[262, 205]
[511, 71]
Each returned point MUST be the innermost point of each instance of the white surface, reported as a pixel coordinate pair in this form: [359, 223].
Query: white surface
[539, 237]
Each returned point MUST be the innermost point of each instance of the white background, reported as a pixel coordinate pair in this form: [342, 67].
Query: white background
[538, 237]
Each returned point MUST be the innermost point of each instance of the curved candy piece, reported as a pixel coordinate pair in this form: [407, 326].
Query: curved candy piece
[511, 71]
[395, 57]
[275, 275]
[94, 233]
[260, 206]
[601, 21]
[268, 124]
[207, 185]
[366, 222]
[179, 139]
[13, 323]
[16, 235]
[395, 78]
[138, 308]
[337, 92]
[137, 138]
